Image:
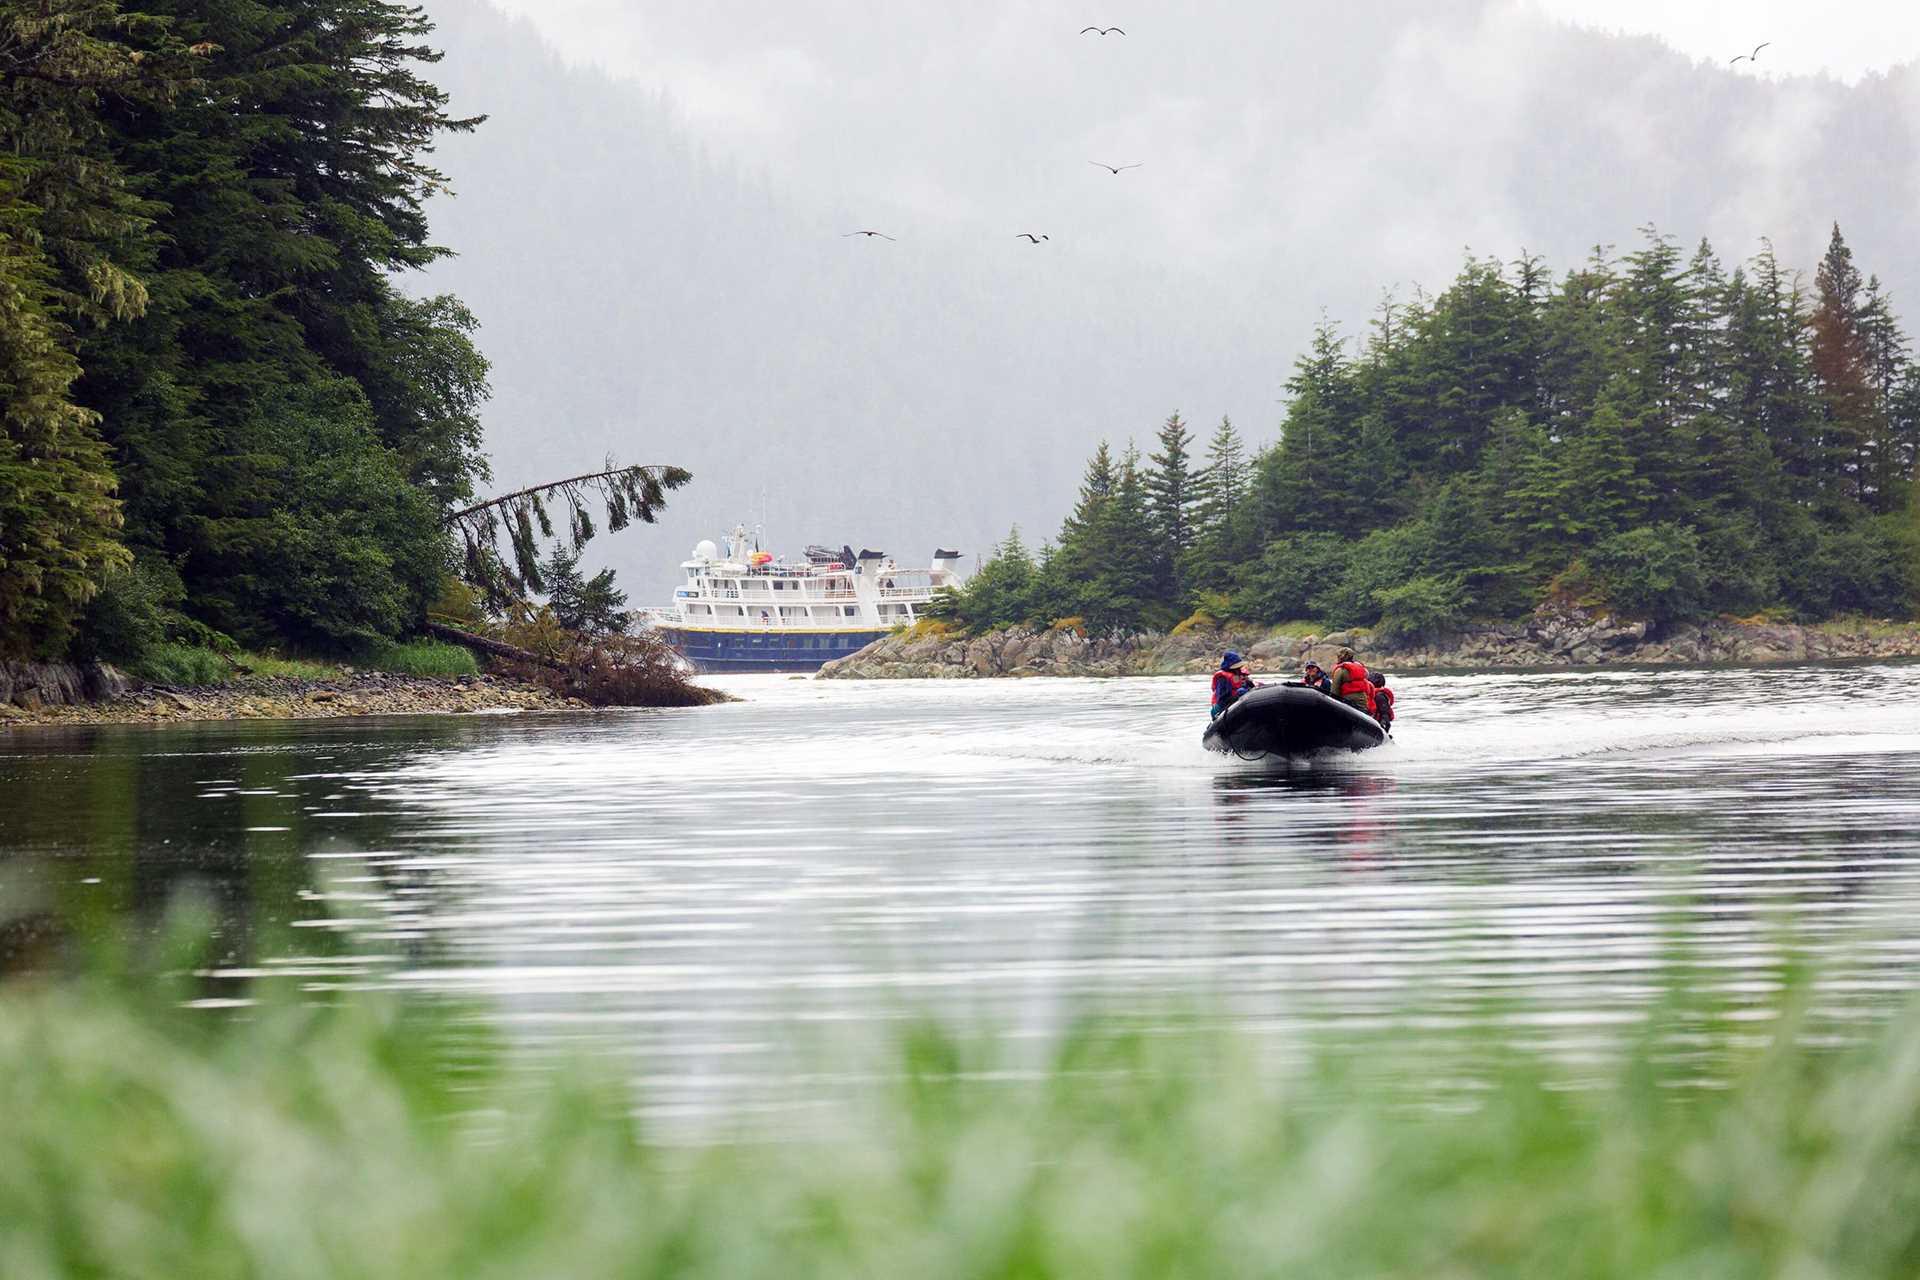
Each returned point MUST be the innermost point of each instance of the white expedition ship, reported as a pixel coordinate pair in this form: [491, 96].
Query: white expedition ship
[743, 609]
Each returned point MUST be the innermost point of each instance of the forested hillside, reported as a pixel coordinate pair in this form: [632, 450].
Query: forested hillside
[221, 415]
[1650, 431]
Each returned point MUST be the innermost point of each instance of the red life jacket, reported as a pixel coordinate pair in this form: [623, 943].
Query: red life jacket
[1357, 685]
[1228, 685]
[1383, 704]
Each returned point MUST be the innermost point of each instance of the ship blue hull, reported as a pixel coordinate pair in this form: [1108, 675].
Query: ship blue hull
[717, 651]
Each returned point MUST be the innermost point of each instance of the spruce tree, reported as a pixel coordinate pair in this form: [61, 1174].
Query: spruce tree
[1607, 490]
[1126, 556]
[1315, 478]
[1886, 352]
[1657, 372]
[1075, 561]
[1769, 384]
[1172, 496]
[590, 606]
[1001, 592]
[1219, 491]
[1841, 367]
[1473, 353]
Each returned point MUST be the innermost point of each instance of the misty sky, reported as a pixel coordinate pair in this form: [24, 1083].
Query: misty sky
[650, 223]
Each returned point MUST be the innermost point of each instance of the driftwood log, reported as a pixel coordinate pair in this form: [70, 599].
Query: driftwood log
[493, 648]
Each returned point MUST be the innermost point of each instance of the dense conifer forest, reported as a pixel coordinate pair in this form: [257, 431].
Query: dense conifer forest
[222, 417]
[1651, 432]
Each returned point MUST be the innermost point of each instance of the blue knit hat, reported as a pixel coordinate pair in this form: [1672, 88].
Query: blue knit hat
[1229, 660]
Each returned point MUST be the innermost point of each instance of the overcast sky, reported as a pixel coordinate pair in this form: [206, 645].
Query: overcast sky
[650, 224]
[695, 50]
[1844, 38]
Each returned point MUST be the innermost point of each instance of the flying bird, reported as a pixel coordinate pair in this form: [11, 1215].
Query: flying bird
[1112, 168]
[1750, 57]
[1028, 235]
[1102, 31]
[883, 235]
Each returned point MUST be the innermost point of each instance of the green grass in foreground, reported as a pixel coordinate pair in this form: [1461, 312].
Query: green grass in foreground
[303, 1143]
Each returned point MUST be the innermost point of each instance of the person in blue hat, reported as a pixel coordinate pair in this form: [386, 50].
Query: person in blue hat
[1229, 682]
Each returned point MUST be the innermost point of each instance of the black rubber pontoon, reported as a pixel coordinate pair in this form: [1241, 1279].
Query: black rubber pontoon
[1291, 720]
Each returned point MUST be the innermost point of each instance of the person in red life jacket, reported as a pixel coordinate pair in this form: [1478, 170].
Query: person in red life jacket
[1229, 682]
[1382, 702]
[1350, 683]
[1314, 678]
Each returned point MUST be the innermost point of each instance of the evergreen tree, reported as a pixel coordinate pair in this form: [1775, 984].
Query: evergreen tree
[1771, 345]
[1127, 555]
[1473, 353]
[1220, 489]
[1579, 346]
[1607, 488]
[1172, 497]
[1075, 561]
[1841, 365]
[590, 606]
[1002, 593]
[1884, 347]
[1314, 478]
[1657, 378]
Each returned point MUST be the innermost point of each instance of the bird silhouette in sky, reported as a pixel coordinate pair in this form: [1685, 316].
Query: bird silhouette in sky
[1750, 57]
[1028, 235]
[1102, 31]
[1112, 168]
[883, 235]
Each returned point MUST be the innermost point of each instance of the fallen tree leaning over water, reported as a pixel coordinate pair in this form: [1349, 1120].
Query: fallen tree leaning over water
[602, 671]
[525, 517]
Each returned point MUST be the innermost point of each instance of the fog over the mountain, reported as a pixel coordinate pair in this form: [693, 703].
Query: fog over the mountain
[665, 277]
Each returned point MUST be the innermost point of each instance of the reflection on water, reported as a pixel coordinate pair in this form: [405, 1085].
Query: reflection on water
[686, 887]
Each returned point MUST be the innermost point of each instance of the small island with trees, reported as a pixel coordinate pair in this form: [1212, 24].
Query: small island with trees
[1649, 438]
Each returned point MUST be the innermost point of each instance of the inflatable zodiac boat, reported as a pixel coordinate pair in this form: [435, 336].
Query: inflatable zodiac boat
[1290, 720]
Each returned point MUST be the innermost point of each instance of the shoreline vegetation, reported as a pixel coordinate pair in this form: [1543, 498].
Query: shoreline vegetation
[1555, 637]
[359, 693]
[365, 1137]
[228, 425]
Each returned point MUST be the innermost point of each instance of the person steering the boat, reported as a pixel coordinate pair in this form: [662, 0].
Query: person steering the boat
[1314, 678]
[1350, 683]
[1230, 682]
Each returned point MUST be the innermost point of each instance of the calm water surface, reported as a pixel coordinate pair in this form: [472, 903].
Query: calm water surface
[687, 889]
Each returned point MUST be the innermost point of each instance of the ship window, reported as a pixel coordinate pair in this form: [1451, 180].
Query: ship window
[848, 610]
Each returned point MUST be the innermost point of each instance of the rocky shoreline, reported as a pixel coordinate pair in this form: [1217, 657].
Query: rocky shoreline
[1556, 636]
[105, 697]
